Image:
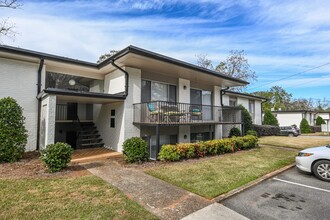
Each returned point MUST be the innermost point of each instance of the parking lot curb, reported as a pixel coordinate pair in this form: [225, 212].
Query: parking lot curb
[222, 197]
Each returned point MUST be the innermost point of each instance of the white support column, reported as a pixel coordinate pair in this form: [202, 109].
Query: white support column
[184, 97]
[216, 112]
[48, 114]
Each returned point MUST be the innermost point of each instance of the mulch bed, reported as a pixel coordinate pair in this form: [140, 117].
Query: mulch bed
[30, 166]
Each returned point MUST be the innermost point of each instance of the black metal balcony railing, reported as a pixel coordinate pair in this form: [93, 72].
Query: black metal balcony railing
[167, 113]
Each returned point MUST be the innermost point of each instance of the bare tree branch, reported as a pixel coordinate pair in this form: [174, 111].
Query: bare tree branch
[7, 28]
[9, 4]
[204, 61]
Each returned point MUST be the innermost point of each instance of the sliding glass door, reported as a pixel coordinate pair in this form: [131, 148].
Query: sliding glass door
[207, 102]
[201, 98]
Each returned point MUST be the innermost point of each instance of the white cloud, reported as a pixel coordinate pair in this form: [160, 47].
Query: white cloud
[280, 37]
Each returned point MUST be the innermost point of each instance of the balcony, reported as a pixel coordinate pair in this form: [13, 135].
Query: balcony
[174, 113]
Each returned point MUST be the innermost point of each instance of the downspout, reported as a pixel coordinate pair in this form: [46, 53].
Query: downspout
[41, 64]
[222, 92]
[126, 76]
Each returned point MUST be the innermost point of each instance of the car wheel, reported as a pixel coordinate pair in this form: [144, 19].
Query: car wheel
[321, 170]
[290, 135]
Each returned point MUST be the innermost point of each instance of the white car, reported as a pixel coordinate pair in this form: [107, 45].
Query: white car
[315, 160]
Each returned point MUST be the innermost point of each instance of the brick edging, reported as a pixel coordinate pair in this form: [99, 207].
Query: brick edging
[251, 184]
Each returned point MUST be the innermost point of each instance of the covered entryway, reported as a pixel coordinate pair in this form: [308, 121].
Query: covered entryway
[70, 116]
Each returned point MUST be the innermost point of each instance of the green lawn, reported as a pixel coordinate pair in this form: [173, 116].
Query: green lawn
[300, 142]
[213, 177]
[86, 197]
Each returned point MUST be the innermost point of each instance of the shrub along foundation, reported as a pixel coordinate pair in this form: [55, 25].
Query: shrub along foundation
[207, 148]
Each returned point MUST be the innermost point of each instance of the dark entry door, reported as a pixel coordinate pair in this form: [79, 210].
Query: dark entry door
[71, 138]
[72, 111]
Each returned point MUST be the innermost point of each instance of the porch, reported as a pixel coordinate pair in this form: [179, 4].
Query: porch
[174, 113]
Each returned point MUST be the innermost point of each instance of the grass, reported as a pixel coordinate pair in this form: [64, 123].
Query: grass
[84, 197]
[213, 177]
[317, 134]
[300, 142]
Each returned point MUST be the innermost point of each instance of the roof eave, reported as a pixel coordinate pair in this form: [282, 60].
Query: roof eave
[153, 55]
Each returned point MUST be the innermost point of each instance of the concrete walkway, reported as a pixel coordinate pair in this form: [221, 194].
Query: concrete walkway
[159, 197]
[215, 211]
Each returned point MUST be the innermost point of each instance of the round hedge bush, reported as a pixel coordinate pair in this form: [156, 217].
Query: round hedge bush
[135, 150]
[13, 135]
[252, 132]
[304, 127]
[234, 132]
[56, 156]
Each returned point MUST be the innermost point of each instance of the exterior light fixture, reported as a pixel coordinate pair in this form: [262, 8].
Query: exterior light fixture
[72, 82]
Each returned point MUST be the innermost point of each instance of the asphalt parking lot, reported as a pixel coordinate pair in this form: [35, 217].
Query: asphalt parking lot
[290, 195]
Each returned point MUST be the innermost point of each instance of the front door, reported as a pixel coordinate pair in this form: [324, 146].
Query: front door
[72, 111]
[71, 138]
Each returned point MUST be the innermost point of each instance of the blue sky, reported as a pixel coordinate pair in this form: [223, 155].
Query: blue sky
[281, 38]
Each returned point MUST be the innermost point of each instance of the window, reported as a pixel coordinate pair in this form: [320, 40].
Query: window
[113, 112]
[232, 101]
[197, 137]
[112, 122]
[145, 91]
[156, 91]
[251, 108]
[112, 118]
[163, 139]
[159, 92]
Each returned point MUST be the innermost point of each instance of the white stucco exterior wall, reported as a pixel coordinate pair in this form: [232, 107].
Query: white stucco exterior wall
[112, 137]
[184, 97]
[244, 102]
[124, 128]
[183, 94]
[225, 100]
[18, 80]
[288, 118]
[257, 112]
[114, 82]
[134, 96]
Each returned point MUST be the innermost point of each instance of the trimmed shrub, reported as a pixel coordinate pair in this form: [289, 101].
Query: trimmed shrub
[234, 132]
[266, 130]
[171, 153]
[319, 120]
[304, 127]
[13, 135]
[270, 119]
[247, 120]
[252, 132]
[56, 156]
[135, 150]
[315, 129]
[201, 149]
